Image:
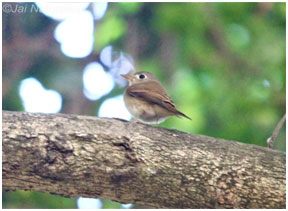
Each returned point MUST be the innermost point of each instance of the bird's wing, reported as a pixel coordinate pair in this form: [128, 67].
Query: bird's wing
[150, 97]
[156, 96]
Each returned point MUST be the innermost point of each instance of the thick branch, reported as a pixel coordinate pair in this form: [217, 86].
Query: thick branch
[75, 156]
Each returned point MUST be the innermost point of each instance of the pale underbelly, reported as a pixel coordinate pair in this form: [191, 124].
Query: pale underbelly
[146, 112]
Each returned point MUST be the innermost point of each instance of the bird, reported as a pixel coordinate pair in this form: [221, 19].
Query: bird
[146, 99]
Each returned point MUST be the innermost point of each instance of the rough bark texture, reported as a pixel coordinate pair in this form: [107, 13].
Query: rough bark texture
[86, 156]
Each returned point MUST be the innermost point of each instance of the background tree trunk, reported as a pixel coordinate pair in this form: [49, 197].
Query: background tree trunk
[127, 162]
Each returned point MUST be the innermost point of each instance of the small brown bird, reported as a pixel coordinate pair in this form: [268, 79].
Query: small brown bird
[147, 100]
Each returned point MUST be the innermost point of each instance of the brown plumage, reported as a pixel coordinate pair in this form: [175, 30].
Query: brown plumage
[147, 100]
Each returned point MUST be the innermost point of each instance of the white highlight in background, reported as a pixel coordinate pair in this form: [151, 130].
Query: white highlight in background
[35, 98]
[118, 63]
[114, 108]
[96, 81]
[60, 11]
[89, 203]
[99, 9]
[126, 206]
[75, 32]
[106, 55]
[266, 83]
[75, 35]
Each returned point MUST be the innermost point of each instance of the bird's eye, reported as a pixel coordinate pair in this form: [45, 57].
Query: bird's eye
[142, 76]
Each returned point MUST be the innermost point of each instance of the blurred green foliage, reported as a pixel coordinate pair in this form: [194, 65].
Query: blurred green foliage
[108, 204]
[222, 63]
[35, 200]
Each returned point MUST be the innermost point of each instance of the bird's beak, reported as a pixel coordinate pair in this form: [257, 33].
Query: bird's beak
[128, 77]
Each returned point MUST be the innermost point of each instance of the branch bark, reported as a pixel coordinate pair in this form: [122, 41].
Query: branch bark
[86, 156]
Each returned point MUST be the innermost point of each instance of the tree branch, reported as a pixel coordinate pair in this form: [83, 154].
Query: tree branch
[271, 139]
[86, 156]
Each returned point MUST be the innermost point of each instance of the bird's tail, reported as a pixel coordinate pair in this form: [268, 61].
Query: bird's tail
[181, 114]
